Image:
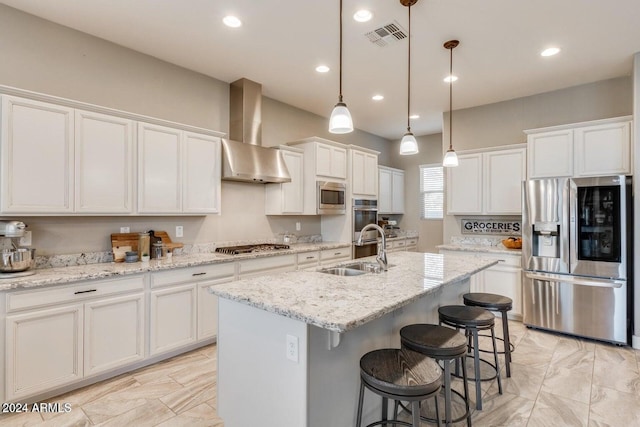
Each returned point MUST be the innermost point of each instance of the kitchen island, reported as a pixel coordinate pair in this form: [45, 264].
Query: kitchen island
[289, 344]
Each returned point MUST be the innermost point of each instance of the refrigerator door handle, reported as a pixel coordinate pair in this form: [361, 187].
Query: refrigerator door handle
[584, 281]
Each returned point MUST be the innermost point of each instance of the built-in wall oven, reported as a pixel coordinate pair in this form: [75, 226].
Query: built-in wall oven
[365, 212]
[331, 198]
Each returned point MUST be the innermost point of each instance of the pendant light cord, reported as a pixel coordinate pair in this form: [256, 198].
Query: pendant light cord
[451, 98]
[340, 95]
[408, 75]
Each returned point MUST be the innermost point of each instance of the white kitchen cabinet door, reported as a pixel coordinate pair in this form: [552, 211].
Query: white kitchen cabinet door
[201, 174]
[504, 171]
[364, 174]
[159, 169]
[172, 318]
[104, 168]
[603, 149]
[208, 309]
[331, 161]
[464, 185]
[44, 350]
[37, 157]
[397, 192]
[550, 154]
[288, 197]
[506, 281]
[114, 331]
[385, 188]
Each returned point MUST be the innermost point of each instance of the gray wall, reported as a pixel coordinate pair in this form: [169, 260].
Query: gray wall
[44, 57]
[503, 123]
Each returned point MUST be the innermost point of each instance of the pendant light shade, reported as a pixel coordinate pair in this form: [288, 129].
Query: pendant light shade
[408, 144]
[340, 120]
[450, 157]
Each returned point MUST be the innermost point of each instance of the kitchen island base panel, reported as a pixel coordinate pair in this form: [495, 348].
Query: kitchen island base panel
[259, 385]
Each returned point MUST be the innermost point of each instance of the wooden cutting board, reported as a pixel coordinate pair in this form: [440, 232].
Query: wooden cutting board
[131, 239]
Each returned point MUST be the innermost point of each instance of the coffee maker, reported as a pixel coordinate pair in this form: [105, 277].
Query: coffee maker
[15, 261]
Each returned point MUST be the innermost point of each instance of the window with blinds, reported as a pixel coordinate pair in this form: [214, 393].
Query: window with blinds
[431, 191]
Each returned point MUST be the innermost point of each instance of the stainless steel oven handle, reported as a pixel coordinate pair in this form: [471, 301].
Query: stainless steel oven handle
[358, 209]
[584, 281]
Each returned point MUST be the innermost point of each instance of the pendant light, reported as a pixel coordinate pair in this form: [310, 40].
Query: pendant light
[340, 120]
[450, 157]
[408, 144]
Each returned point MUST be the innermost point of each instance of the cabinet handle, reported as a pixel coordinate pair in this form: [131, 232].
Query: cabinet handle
[198, 274]
[337, 253]
[309, 257]
[84, 292]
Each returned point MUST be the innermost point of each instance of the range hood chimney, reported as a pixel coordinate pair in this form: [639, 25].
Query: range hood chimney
[244, 157]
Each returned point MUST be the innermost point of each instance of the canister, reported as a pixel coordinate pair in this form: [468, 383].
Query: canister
[144, 240]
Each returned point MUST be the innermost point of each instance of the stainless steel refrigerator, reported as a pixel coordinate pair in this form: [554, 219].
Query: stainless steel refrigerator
[577, 256]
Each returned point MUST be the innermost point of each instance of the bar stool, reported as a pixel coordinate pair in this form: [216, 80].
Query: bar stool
[473, 320]
[494, 302]
[401, 375]
[446, 345]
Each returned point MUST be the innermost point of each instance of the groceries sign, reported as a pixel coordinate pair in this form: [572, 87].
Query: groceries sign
[491, 226]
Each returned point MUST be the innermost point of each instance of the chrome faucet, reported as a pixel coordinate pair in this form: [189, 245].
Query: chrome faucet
[382, 247]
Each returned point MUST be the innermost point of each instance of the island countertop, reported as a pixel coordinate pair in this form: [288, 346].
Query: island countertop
[342, 303]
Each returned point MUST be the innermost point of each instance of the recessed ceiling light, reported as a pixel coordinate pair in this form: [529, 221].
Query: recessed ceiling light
[322, 69]
[414, 116]
[550, 51]
[231, 21]
[362, 15]
[450, 79]
[377, 97]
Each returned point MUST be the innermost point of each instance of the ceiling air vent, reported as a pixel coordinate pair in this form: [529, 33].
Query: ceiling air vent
[387, 34]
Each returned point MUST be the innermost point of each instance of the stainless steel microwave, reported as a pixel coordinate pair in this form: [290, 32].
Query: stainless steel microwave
[331, 198]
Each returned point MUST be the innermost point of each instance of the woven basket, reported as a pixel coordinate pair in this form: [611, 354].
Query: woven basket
[512, 244]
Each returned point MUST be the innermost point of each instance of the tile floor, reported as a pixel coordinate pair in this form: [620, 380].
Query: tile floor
[556, 381]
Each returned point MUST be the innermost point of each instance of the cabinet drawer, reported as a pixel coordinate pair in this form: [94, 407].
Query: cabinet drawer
[266, 265]
[412, 242]
[78, 292]
[308, 258]
[192, 274]
[399, 244]
[329, 254]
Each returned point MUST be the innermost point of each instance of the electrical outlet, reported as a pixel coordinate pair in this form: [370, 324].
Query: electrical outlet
[298, 226]
[26, 239]
[125, 230]
[179, 231]
[292, 348]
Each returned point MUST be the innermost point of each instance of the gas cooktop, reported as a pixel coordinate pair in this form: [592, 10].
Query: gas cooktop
[245, 249]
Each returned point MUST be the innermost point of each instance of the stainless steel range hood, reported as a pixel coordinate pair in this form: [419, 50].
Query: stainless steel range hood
[244, 158]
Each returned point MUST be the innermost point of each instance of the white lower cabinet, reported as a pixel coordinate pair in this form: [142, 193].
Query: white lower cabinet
[173, 318]
[308, 260]
[57, 336]
[268, 265]
[329, 256]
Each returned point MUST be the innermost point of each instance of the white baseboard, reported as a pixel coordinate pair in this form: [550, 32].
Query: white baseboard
[635, 341]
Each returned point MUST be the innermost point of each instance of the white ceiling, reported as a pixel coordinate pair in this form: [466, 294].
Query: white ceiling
[282, 41]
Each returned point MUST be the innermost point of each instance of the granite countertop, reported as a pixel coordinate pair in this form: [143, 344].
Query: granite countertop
[342, 303]
[64, 275]
[498, 249]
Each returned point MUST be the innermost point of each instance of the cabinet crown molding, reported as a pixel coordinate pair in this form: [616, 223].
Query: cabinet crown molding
[579, 124]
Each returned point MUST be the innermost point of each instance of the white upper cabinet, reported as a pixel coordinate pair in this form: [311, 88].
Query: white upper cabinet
[103, 163]
[201, 173]
[487, 183]
[364, 172]
[331, 161]
[464, 185]
[287, 198]
[601, 147]
[390, 190]
[159, 169]
[37, 157]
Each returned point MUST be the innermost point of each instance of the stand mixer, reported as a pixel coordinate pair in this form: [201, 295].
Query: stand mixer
[15, 261]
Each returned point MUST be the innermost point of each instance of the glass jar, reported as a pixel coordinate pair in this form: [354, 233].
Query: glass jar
[158, 250]
[144, 241]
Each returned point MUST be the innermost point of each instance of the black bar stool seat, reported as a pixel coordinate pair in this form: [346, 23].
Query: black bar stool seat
[446, 345]
[401, 375]
[473, 320]
[495, 302]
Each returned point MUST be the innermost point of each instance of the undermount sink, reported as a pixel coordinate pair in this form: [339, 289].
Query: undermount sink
[341, 271]
[354, 269]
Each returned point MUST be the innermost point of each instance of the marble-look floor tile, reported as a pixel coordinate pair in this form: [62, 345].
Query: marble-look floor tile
[504, 410]
[152, 413]
[612, 408]
[525, 381]
[113, 404]
[195, 372]
[74, 418]
[555, 411]
[569, 382]
[93, 392]
[188, 397]
[167, 367]
[23, 419]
